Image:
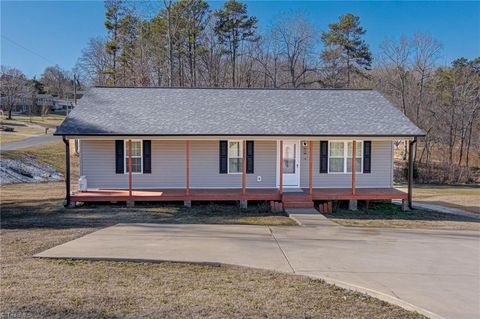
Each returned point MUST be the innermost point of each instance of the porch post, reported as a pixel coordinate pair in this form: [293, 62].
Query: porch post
[130, 169]
[310, 168]
[354, 165]
[67, 171]
[410, 171]
[187, 167]
[281, 167]
[244, 168]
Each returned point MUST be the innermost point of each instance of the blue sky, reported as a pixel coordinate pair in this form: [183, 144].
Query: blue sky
[55, 32]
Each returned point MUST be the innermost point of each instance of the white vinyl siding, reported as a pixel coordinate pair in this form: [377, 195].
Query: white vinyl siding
[97, 163]
[380, 176]
[97, 160]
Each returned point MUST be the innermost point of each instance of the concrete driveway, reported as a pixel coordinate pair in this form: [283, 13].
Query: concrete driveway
[437, 271]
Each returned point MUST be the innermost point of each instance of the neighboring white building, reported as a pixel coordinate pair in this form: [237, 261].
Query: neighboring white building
[61, 105]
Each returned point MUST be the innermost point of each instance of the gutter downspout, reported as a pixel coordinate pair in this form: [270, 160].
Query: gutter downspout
[67, 171]
[410, 171]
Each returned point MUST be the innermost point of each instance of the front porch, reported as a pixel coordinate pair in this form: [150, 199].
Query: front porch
[132, 190]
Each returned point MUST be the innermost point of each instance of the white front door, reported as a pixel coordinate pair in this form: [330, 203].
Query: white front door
[291, 164]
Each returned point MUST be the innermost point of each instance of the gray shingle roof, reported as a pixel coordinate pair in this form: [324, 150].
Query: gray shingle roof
[182, 111]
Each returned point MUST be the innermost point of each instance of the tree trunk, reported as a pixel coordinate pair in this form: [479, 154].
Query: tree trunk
[348, 70]
[468, 146]
[170, 41]
[234, 63]
[420, 99]
[275, 73]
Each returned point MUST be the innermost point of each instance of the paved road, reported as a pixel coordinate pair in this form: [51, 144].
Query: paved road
[437, 271]
[29, 142]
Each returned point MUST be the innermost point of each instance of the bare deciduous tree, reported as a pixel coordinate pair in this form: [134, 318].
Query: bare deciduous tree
[14, 87]
[94, 62]
[295, 37]
[57, 81]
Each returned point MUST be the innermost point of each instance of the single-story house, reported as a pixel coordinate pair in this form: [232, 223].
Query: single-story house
[294, 146]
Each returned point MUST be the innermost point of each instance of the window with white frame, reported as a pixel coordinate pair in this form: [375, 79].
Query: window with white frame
[340, 157]
[137, 160]
[235, 157]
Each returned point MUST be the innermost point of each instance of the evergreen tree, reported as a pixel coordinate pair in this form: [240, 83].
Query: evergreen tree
[234, 26]
[346, 35]
[194, 16]
[114, 11]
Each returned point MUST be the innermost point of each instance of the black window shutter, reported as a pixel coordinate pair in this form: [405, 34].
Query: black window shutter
[367, 156]
[323, 156]
[119, 157]
[223, 157]
[250, 158]
[147, 156]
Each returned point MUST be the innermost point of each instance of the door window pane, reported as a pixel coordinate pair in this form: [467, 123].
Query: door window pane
[289, 156]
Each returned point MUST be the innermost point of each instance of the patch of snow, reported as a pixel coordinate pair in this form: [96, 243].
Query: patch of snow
[26, 169]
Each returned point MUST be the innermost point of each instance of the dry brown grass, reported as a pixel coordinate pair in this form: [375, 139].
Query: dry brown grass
[74, 289]
[463, 197]
[48, 120]
[5, 138]
[33, 220]
[11, 137]
[42, 204]
[388, 215]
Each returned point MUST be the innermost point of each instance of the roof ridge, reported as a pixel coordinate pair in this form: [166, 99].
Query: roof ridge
[229, 88]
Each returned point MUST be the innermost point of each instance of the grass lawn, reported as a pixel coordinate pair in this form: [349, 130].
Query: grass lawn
[389, 215]
[463, 197]
[5, 138]
[47, 120]
[33, 220]
[22, 130]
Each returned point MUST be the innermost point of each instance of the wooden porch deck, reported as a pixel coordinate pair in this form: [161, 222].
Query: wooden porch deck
[360, 194]
[267, 194]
